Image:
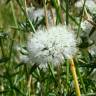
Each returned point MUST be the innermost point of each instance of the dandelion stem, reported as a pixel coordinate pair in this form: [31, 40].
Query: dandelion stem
[73, 70]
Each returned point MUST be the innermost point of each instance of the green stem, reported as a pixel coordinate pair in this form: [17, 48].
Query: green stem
[67, 12]
[13, 12]
[81, 79]
[71, 17]
[2, 48]
[16, 24]
[67, 74]
[25, 13]
[58, 11]
[79, 26]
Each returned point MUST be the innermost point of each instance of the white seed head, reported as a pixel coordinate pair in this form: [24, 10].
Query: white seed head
[90, 5]
[52, 45]
[86, 27]
[34, 14]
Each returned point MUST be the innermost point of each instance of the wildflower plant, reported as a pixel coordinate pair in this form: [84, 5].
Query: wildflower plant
[53, 45]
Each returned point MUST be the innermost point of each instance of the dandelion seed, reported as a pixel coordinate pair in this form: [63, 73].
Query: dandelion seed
[53, 46]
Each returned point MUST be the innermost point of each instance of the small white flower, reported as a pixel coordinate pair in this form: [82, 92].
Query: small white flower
[53, 45]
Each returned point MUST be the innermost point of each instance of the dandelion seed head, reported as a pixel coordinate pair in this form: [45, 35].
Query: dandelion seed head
[90, 5]
[52, 45]
[86, 26]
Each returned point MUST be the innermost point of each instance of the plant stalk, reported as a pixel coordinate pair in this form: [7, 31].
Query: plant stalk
[76, 84]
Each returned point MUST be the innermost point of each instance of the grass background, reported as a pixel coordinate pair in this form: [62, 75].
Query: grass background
[19, 79]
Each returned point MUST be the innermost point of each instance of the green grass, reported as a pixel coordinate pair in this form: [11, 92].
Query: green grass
[19, 79]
